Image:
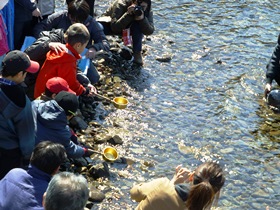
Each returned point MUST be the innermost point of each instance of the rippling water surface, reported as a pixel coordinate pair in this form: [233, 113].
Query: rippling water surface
[206, 103]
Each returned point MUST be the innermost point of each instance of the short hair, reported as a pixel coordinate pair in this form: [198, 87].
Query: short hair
[78, 10]
[76, 33]
[48, 156]
[66, 191]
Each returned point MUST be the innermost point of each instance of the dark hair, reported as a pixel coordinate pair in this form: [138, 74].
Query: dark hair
[48, 93]
[78, 10]
[207, 182]
[76, 33]
[149, 2]
[48, 156]
[6, 73]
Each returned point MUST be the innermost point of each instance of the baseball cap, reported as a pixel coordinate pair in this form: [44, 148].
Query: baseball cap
[16, 61]
[67, 101]
[57, 84]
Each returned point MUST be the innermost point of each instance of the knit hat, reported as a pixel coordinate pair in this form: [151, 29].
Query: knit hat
[16, 61]
[67, 101]
[57, 84]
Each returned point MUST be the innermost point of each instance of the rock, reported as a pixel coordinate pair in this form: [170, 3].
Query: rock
[164, 58]
[115, 140]
[95, 195]
[99, 171]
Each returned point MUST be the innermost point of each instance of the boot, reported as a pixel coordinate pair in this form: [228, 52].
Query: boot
[138, 58]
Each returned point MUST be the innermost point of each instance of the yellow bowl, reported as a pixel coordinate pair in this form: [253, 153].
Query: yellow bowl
[120, 102]
[110, 154]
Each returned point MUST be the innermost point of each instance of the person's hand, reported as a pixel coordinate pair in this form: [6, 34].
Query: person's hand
[92, 89]
[141, 17]
[37, 13]
[130, 9]
[181, 175]
[57, 47]
[89, 152]
[267, 89]
[91, 53]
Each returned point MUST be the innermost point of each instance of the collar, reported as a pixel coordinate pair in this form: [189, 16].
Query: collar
[37, 173]
[73, 51]
[5, 81]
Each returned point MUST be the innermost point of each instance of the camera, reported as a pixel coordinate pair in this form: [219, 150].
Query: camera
[138, 9]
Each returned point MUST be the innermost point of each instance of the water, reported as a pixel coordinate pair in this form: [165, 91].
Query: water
[206, 104]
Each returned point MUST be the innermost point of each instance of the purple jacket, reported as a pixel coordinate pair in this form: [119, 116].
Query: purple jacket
[22, 189]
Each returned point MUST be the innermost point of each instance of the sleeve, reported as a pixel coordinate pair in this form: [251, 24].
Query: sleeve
[139, 192]
[27, 4]
[52, 21]
[72, 150]
[25, 129]
[98, 36]
[120, 18]
[147, 24]
[273, 66]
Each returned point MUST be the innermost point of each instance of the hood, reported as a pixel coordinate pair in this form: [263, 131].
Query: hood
[8, 108]
[50, 114]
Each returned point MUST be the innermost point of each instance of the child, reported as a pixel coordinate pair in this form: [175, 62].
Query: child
[193, 191]
[63, 64]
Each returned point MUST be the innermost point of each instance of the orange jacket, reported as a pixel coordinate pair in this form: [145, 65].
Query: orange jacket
[62, 65]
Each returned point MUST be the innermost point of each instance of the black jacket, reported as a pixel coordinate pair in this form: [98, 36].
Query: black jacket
[273, 67]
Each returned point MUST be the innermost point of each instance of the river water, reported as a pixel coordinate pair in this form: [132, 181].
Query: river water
[206, 104]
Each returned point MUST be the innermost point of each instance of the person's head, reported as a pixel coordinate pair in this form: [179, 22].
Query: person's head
[55, 85]
[208, 179]
[48, 156]
[66, 191]
[77, 35]
[16, 64]
[68, 102]
[78, 11]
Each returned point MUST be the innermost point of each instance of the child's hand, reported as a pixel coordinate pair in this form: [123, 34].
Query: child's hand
[92, 89]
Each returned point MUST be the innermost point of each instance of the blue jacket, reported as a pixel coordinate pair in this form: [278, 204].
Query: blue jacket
[23, 190]
[61, 20]
[16, 122]
[52, 125]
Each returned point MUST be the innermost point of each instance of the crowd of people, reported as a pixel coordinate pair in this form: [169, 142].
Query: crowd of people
[39, 90]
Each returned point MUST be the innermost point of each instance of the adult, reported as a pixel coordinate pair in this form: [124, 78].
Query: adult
[273, 68]
[24, 12]
[66, 191]
[90, 4]
[52, 122]
[77, 12]
[21, 189]
[133, 15]
[192, 191]
[17, 133]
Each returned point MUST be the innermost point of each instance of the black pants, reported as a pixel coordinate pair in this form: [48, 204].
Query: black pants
[9, 159]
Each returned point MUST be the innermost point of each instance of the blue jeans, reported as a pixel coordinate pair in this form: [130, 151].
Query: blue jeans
[137, 36]
[92, 74]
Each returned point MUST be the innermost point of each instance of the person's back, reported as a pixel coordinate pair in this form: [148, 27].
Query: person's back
[21, 189]
[66, 191]
[64, 64]
[196, 190]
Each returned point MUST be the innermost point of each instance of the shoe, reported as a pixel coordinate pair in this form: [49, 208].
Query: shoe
[138, 58]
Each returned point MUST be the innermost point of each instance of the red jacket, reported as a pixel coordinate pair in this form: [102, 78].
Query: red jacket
[62, 65]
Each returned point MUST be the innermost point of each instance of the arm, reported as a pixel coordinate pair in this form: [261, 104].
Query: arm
[25, 129]
[97, 35]
[121, 18]
[56, 20]
[147, 24]
[273, 67]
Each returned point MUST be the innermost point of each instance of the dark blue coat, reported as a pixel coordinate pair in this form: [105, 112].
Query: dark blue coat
[52, 125]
